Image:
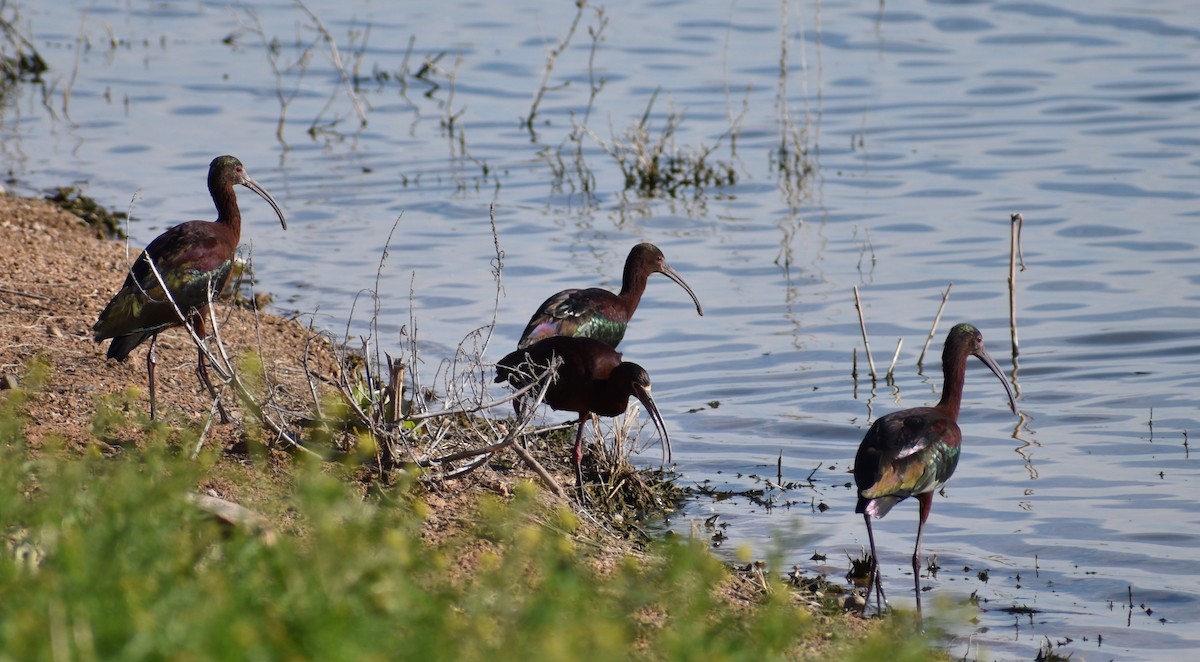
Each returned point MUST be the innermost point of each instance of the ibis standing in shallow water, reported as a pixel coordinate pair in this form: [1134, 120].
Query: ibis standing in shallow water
[194, 259]
[591, 379]
[913, 452]
[598, 313]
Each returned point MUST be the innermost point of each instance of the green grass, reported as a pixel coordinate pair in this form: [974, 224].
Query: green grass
[105, 558]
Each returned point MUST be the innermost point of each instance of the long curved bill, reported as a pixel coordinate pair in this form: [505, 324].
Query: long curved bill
[983, 355]
[249, 183]
[669, 272]
[643, 396]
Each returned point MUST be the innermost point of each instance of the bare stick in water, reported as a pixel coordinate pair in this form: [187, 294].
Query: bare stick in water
[933, 329]
[892, 366]
[862, 324]
[1014, 251]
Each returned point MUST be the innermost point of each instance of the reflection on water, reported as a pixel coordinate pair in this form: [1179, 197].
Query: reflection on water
[877, 147]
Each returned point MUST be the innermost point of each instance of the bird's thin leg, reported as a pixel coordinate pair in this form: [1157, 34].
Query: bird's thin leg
[880, 595]
[151, 361]
[197, 321]
[926, 501]
[874, 580]
[578, 457]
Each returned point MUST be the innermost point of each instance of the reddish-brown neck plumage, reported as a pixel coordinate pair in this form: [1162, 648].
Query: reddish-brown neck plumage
[954, 369]
[633, 282]
[225, 199]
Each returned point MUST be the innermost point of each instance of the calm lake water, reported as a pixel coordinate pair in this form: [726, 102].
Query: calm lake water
[910, 133]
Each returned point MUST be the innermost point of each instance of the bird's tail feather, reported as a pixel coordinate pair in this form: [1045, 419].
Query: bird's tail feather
[878, 506]
[122, 345]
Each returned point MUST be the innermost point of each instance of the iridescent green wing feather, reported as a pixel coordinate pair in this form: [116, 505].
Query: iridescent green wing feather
[189, 258]
[574, 313]
[911, 453]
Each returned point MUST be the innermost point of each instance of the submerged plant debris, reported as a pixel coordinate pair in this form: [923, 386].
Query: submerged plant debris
[106, 223]
[19, 60]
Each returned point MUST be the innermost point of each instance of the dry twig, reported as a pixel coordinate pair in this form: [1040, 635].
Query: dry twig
[933, 329]
[225, 370]
[336, 56]
[551, 58]
[1014, 252]
[862, 324]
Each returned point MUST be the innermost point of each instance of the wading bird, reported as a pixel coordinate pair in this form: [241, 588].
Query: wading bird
[913, 452]
[598, 313]
[591, 379]
[194, 259]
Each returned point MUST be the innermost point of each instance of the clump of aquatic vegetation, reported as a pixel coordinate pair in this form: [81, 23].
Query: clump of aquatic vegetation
[656, 164]
[653, 160]
[107, 223]
[19, 60]
[651, 164]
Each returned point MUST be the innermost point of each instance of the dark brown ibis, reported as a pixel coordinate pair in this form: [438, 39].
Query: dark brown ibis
[913, 452]
[194, 259]
[591, 379]
[597, 313]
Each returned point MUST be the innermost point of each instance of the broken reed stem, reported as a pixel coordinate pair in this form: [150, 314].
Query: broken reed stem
[395, 390]
[862, 324]
[892, 366]
[933, 329]
[538, 469]
[212, 413]
[1013, 252]
[19, 293]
